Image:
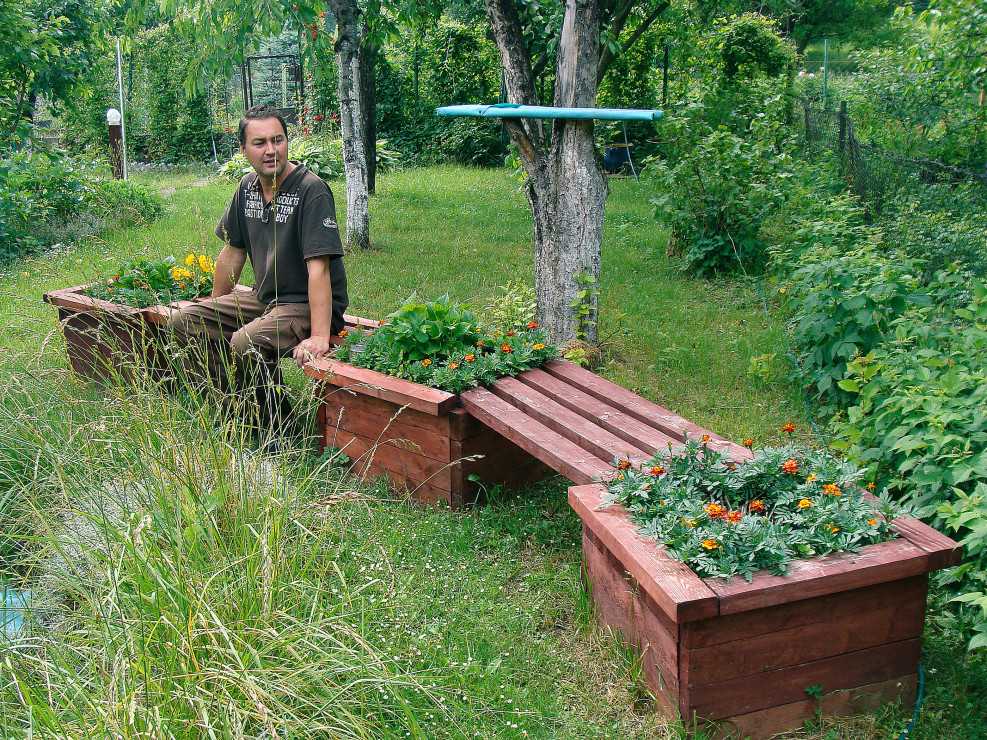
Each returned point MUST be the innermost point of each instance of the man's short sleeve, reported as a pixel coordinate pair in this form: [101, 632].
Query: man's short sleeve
[229, 227]
[318, 230]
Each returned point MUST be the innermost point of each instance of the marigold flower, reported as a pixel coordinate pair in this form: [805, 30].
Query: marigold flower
[757, 506]
[481, 343]
[343, 333]
[748, 442]
[182, 285]
[790, 466]
[804, 503]
[453, 365]
[710, 544]
[705, 439]
[190, 260]
[689, 522]
[871, 486]
[506, 348]
[532, 324]
[872, 522]
[658, 470]
[205, 264]
[734, 517]
[511, 333]
[470, 358]
[538, 346]
[426, 362]
[715, 511]
[811, 478]
[831, 528]
[623, 465]
[620, 476]
[831, 489]
[788, 428]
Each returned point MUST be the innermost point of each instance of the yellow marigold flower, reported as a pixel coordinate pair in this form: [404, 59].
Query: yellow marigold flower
[831, 489]
[426, 362]
[205, 264]
[871, 486]
[872, 522]
[804, 503]
[705, 439]
[190, 260]
[620, 476]
[538, 346]
[811, 478]
[176, 273]
[710, 544]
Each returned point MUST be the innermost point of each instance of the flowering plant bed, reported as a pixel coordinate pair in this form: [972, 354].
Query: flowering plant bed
[838, 633]
[441, 344]
[722, 518]
[145, 283]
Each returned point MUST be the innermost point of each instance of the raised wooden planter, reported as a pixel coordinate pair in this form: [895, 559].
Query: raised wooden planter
[751, 657]
[417, 436]
[104, 340]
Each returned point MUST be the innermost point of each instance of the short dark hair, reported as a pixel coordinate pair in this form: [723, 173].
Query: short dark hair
[258, 113]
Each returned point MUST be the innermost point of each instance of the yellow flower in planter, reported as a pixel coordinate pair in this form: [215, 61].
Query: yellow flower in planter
[804, 504]
[710, 544]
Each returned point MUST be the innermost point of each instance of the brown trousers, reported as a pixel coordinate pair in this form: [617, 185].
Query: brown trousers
[241, 341]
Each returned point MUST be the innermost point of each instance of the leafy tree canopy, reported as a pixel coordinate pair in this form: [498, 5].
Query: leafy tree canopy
[958, 42]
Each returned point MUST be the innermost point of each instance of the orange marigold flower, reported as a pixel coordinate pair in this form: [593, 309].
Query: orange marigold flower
[623, 465]
[831, 489]
[789, 428]
[620, 477]
[748, 442]
[511, 333]
[343, 333]
[831, 528]
[532, 324]
[734, 517]
[757, 506]
[705, 439]
[505, 348]
[790, 466]
[872, 522]
[470, 357]
[481, 343]
[658, 470]
[811, 478]
[804, 503]
[710, 544]
[426, 362]
[715, 511]
[453, 365]
[538, 346]
[871, 486]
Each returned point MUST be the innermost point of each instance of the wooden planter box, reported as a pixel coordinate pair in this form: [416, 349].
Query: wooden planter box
[106, 341]
[743, 656]
[417, 436]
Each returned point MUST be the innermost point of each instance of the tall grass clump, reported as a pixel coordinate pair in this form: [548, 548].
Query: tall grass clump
[182, 586]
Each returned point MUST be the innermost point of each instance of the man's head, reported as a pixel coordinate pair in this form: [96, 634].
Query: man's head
[264, 141]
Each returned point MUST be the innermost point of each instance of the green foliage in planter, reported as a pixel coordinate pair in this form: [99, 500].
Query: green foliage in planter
[716, 199]
[151, 282]
[723, 519]
[442, 344]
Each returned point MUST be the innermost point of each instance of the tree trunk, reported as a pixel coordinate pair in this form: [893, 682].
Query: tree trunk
[368, 105]
[351, 123]
[567, 191]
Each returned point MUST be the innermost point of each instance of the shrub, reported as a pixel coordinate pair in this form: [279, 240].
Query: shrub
[716, 199]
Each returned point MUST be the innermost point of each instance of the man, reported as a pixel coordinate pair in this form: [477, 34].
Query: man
[283, 218]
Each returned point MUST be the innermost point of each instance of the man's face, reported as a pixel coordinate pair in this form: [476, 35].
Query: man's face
[266, 147]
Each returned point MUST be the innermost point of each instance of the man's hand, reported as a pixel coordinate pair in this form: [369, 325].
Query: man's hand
[312, 348]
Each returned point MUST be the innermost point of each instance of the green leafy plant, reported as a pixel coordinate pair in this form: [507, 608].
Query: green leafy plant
[150, 282]
[584, 303]
[723, 518]
[514, 308]
[441, 344]
[967, 515]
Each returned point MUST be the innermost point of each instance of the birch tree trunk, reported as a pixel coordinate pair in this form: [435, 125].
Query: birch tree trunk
[566, 190]
[351, 122]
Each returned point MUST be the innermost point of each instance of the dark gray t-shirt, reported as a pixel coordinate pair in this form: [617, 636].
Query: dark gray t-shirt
[298, 224]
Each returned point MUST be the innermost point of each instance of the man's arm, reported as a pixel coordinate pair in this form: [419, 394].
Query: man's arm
[229, 265]
[320, 304]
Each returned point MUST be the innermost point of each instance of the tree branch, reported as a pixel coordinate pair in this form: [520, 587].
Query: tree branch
[607, 57]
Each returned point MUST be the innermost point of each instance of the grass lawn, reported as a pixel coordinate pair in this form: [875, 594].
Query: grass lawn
[218, 593]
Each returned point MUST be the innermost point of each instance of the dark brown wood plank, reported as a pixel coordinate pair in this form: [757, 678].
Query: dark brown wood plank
[885, 561]
[769, 722]
[676, 590]
[351, 415]
[880, 625]
[591, 437]
[943, 551]
[371, 383]
[608, 416]
[743, 695]
[843, 604]
[640, 408]
[551, 448]
[401, 461]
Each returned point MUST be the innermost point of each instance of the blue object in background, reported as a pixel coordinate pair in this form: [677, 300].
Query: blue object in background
[12, 609]
[615, 157]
